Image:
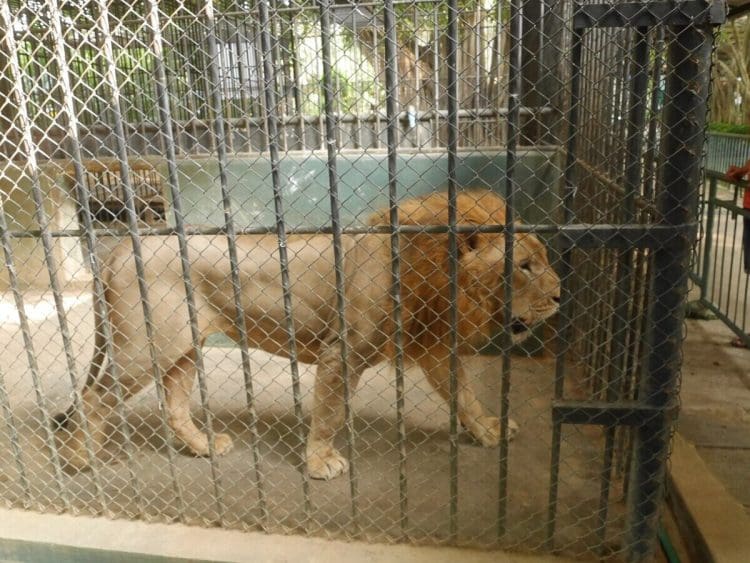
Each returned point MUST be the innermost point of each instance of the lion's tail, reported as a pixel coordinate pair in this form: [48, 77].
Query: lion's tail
[60, 420]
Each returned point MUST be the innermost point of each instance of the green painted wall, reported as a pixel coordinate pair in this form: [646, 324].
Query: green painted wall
[363, 185]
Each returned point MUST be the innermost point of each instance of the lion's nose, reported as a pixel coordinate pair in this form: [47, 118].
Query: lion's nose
[556, 299]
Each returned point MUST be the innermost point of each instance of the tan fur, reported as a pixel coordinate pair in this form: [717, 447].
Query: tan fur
[425, 298]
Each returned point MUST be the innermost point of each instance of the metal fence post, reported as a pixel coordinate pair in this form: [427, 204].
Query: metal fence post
[688, 58]
[707, 238]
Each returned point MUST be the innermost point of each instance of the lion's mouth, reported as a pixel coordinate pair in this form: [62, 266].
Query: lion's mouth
[518, 326]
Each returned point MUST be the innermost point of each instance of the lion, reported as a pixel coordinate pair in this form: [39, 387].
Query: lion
[425, 302]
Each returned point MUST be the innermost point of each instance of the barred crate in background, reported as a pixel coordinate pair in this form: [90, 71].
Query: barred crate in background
[235, 120]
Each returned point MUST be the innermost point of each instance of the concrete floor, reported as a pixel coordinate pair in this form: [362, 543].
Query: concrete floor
[715, 414]
[136, 481]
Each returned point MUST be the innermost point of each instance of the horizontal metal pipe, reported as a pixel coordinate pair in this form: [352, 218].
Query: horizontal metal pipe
[585, 234]
[376, 116]
[294, 8]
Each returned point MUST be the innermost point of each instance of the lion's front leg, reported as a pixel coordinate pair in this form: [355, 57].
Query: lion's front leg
[485, 429]
[324, 461]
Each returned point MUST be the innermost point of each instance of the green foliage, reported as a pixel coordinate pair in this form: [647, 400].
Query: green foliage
[350, 95]
[731, 73]
[733, 128]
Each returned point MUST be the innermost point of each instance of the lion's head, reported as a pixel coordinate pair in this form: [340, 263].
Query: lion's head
[425, 273]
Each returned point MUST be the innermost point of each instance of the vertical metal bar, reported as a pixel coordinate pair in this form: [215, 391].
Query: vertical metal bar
[436, 78]
[359, 107]
[377, 91]
[391, 101]
[296, 91]
[417, 122]
[590, 102]
[278, 69]
[635, 364]
[132, 220]
[227, 62]
[273, 147]
[206, 97]
[165, 118]
[261, 103]
[720, 212]
[90, 240]
[740, 269]
[621, 320]
[474, 124]
[320, 116]
[244, 77]
[511, 186]
[452, 90]
[737, 217]
[688, 55]
[646, 332]
[338, 257]
[744, 301]
[27, 141]
[218, 126]
[653, 123]
[566, 270]
[621, 39]
[723, 253]
[493, 89]
[195, 106]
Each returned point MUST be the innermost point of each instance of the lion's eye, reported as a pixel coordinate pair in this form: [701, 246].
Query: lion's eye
[525, 265]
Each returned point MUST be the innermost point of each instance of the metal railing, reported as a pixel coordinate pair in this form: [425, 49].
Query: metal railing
[720, 269]
[725, 149]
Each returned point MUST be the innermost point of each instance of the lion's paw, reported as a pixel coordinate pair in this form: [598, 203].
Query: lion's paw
[199, 447]
[222, 444]
[486, 429]
[324, 461]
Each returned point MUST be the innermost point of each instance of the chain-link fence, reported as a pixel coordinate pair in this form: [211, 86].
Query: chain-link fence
[298, 205]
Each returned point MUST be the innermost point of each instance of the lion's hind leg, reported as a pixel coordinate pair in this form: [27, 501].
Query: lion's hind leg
[178, 383]
[61, 419]
[82, 432]
[85, 430]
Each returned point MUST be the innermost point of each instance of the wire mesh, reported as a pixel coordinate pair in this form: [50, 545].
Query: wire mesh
[301, 206]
